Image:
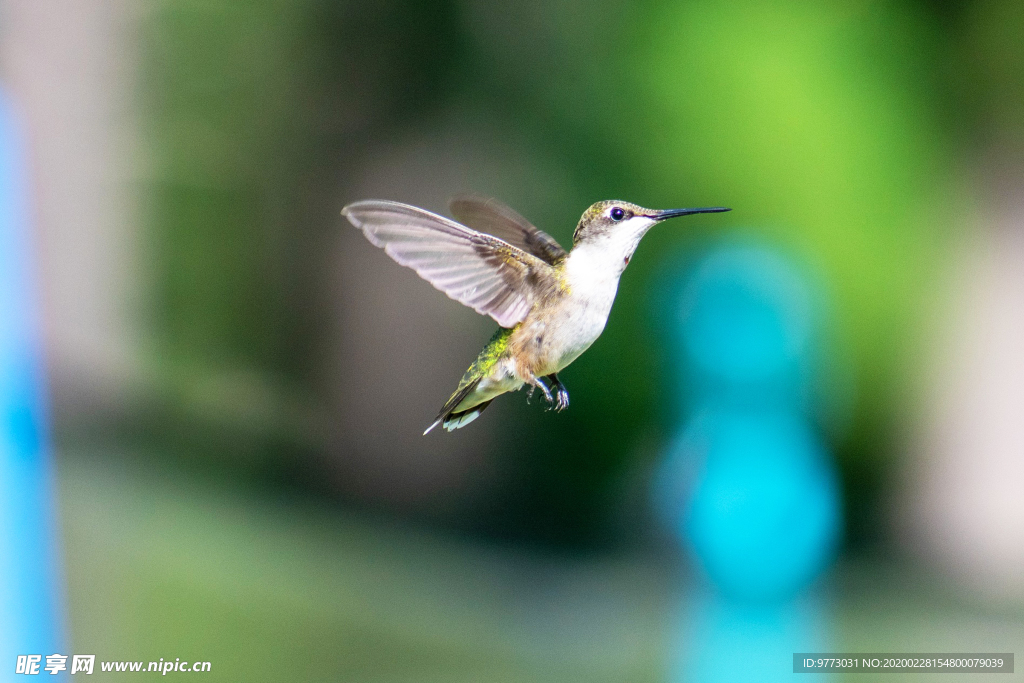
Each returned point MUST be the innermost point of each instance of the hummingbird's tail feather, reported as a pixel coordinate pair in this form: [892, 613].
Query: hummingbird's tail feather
[454, 414]
[449, 417]
[457, 420]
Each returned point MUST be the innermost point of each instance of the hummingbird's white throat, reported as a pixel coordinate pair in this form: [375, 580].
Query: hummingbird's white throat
[605, 256]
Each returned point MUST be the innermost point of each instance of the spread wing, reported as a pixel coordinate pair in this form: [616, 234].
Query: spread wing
[493, 217]
[483, 272]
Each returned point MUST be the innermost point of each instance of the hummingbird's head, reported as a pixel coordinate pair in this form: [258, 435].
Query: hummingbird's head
[619, 225]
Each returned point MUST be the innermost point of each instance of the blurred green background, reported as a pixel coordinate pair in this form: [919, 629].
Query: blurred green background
[251, 485]
[832, 130]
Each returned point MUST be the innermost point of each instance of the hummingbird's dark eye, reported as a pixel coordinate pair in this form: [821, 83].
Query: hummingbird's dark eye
[617, 214]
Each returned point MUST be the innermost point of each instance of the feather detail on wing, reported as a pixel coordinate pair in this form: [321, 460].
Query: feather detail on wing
[483, 272]
[492, 217]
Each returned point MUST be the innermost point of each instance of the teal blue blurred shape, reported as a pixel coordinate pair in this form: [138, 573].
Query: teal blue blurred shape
[749, 315]
[725, 641]
[30, 621]
[743, 327]
[749, 488]
[755, 499]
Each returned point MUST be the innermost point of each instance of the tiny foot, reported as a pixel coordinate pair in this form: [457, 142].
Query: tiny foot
[561, 401]
[561, 398]
[547, 392]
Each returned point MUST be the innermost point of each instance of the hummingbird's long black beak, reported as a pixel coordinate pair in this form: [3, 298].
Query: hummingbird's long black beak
[672, 213]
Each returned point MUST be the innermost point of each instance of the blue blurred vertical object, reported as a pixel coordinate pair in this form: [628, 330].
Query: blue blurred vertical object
[748, 486]
[30, 620]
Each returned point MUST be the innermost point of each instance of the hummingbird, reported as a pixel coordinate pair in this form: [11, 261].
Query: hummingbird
[550, 304]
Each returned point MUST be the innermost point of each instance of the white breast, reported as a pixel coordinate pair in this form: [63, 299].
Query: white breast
[593, 279]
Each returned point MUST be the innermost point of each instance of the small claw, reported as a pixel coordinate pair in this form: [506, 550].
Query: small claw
[529, 394]
[539, 384]
[562, 399]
